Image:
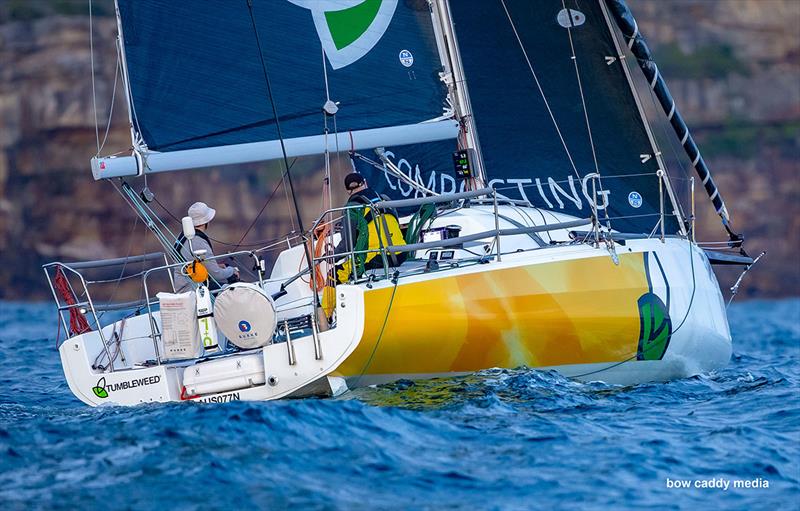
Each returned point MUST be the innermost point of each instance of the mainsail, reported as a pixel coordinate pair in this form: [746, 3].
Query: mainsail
[555, 109]
[197, 88]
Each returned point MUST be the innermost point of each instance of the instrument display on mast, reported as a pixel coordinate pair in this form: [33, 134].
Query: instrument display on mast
[461, 164]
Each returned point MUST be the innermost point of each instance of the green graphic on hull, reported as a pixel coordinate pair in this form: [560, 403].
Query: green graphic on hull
[655, 328]
[100, 389]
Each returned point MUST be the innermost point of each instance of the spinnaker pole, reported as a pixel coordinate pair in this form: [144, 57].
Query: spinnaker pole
[624, 19]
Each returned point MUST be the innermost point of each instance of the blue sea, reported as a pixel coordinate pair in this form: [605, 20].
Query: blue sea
[499, 439]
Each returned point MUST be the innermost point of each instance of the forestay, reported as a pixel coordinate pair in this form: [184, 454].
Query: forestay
[199, 95]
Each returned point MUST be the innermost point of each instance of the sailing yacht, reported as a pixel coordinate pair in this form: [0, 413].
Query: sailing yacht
[524, 145]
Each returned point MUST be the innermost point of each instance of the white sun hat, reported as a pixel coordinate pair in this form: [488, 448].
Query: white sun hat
[201, 213]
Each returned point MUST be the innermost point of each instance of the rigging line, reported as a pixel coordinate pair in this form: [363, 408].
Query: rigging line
[166, 210]
[338, 151]
[580, 85]
[253, 223]
[619, 44]
[671, 139]
[288, 175]
[129, 198]
[111, 107]
[326, 188]
[149, 210]
[228, 244]
[124, 265]
[383, 327]
[306, 250]
[94, 93]
[388, 168]
[288, 200]
[541, 91]
[136, 129]
[325, 73]
[585, 116]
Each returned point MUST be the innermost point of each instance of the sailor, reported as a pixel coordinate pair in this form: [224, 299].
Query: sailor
[201, 216]
[382, 229]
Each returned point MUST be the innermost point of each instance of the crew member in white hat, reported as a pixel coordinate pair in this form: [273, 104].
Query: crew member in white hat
[201, 216]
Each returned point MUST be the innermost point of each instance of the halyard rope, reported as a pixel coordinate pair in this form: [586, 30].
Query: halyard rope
[541, 91]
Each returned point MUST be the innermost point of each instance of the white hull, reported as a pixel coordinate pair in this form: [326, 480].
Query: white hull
[700, 342]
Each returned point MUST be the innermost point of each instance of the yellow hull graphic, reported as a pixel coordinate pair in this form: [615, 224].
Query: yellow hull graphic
[579, 311]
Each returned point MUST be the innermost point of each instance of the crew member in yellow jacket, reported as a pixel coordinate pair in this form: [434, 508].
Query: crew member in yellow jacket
[381, 228]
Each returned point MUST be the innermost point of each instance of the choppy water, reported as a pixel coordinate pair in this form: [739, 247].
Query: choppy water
[516, 439]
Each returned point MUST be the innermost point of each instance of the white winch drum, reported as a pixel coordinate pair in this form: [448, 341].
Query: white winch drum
[246, 315]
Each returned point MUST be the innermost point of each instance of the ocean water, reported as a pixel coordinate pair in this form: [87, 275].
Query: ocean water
[499, 439]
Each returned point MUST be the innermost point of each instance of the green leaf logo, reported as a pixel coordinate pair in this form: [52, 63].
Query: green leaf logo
[349, 29]
[100, 389]
[655, 328]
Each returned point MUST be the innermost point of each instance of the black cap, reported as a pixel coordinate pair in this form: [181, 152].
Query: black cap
[353, 180]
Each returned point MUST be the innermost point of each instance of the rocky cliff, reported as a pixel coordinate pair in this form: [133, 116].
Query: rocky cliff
[733, 66]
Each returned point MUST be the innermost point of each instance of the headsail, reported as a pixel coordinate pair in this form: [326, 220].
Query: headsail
[554, 108]
[636, 43]
[198, 95]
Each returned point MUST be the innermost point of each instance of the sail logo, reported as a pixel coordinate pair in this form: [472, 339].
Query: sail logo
[349, 29]
[406, 58]
[99, 390]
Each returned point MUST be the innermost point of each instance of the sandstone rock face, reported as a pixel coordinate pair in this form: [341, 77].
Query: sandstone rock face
[746, 118]
[50, 206]
[735, 63]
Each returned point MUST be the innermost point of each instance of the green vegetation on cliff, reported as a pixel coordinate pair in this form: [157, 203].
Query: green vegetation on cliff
[711, 61]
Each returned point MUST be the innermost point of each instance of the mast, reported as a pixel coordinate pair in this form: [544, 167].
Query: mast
[453, 77]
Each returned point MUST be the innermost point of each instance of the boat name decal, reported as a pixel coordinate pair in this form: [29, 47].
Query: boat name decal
[102, 388]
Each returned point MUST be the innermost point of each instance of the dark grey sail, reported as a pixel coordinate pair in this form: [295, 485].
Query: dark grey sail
[554, 108]
[637, 44]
